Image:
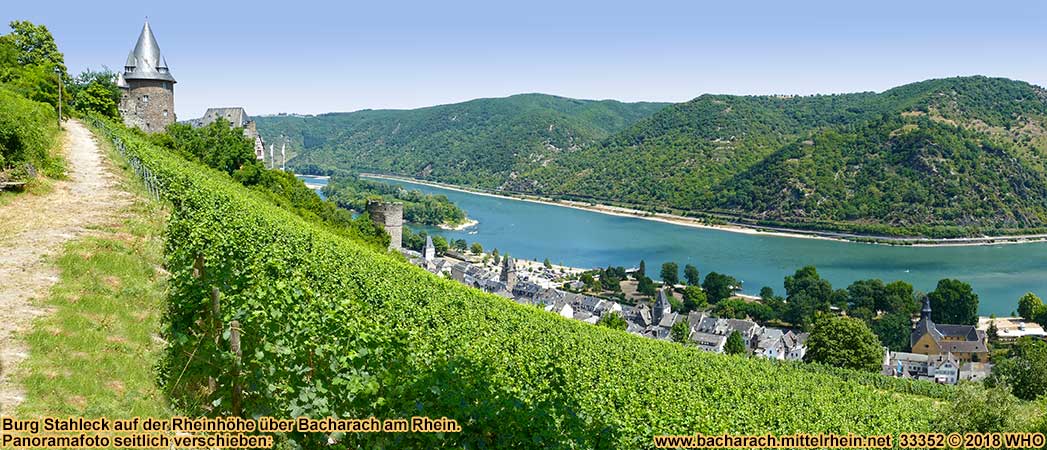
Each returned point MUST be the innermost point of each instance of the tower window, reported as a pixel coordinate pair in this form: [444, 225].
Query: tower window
[165, 113]
[145, 98]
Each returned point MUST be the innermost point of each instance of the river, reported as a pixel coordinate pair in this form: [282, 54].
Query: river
[999, 273]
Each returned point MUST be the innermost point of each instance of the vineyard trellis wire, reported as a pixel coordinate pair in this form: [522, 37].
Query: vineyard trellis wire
[151, 182]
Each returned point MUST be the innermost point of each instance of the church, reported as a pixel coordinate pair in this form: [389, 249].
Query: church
[963, 342]
[147, 86]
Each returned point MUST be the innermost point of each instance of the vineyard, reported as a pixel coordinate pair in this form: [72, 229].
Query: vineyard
[323, 326]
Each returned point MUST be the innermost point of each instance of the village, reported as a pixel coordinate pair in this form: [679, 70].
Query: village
[941, 353]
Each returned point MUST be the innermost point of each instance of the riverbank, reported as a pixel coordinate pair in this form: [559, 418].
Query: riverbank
[733, 227]
[459, 227]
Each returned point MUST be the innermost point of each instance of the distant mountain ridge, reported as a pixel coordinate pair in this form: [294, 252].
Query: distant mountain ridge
[479, 142]
[939, 158]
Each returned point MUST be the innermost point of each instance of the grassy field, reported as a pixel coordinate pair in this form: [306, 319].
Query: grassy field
[95, 353]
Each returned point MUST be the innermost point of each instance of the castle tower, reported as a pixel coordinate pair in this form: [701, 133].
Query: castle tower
[508, 276]
[389, 216]
[147, 101]
[430, 249]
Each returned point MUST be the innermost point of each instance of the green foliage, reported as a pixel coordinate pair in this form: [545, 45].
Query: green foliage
[806, 294]
[844, 342]
[670, 273]
[694, 298]
[28, 132]
[645, 286]
[691, 274]
[1024, 369]
[953, 301]
[477, 143]
[735, 345]
[1030, 306]
[680, 332]
[893, 329]
[333, 327]
[477, 249]
[736, 308]
[976, 409]
[613, 320]
[29, 58]
[719, 286]
[353, 192]
[96, 92]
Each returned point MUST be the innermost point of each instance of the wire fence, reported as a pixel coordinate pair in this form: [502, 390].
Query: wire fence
[152, 184]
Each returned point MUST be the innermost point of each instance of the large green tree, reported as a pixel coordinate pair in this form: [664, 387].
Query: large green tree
[954, 302]
[719, 286]
[1029, 306]
[670, 273]
[680, 332]
[844, 342]
[694, 298]
[735, 345]
[691, 274]
[806, 294]
[612, 320]
[1024, 369]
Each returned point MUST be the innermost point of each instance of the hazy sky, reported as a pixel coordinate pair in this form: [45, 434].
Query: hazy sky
[312, 57]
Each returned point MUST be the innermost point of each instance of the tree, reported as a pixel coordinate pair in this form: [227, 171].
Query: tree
[589, 281]
[976, 408]
[645, 286]
[612, 320]
[954, 302]
[670, 273]
[806, 294]
[1029, 306]
[440, 244]
[476, 248]
[680, 332]
[1025, 369]
[459, 244]
[547, 264]
[694, 298]
[735, 345]
[494, 254]
[993, 333]
[642, 271]
[36, 46]
[894, 330]
[718, 286]
[691, 274]
[844, 342]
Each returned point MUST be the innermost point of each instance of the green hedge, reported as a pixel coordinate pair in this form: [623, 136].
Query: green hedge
[28, 132]
[333, 328]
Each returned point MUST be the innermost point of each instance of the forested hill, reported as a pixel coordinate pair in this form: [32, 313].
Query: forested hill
[940, 158]
[949, 157]
[478, 143]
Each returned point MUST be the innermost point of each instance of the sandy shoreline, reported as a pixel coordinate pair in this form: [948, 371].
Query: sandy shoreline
[734, 228]
[467, 224]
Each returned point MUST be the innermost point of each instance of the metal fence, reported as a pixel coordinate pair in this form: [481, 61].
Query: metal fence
[152, 184]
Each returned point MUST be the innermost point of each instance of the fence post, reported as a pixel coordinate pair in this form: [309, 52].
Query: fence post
[216, 318]
[234, 346]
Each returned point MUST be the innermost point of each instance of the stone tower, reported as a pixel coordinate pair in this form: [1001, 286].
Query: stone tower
[389, 216]
[508, 276]
[147, 99]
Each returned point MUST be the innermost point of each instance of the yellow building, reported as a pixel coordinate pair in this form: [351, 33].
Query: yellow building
[965, 342]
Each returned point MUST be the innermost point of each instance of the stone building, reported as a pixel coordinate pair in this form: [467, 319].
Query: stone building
[238, 118]
[389, 216]
[508, 275]
[147, 98]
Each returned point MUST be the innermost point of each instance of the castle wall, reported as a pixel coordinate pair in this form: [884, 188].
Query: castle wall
[148, 104]
[389, 216]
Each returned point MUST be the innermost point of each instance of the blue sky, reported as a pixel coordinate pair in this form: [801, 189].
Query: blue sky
[313, 57]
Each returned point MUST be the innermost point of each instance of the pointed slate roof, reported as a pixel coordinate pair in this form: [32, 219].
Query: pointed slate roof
[145, 61]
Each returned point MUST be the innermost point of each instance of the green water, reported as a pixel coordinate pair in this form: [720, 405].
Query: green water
[999, 274]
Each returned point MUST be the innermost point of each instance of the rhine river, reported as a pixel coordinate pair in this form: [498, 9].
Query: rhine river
[999, 273]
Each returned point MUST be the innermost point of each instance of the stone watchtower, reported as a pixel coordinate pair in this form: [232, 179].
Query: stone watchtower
[389, 216]
[147, 99]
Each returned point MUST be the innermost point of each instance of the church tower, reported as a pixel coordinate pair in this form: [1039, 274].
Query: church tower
[147, 101]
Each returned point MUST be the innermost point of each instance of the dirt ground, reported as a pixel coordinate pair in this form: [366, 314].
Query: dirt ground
[35, 228]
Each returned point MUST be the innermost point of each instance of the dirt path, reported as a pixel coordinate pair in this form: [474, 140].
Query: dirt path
[34, 229]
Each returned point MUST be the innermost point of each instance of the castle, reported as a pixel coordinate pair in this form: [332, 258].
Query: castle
[147, 87]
